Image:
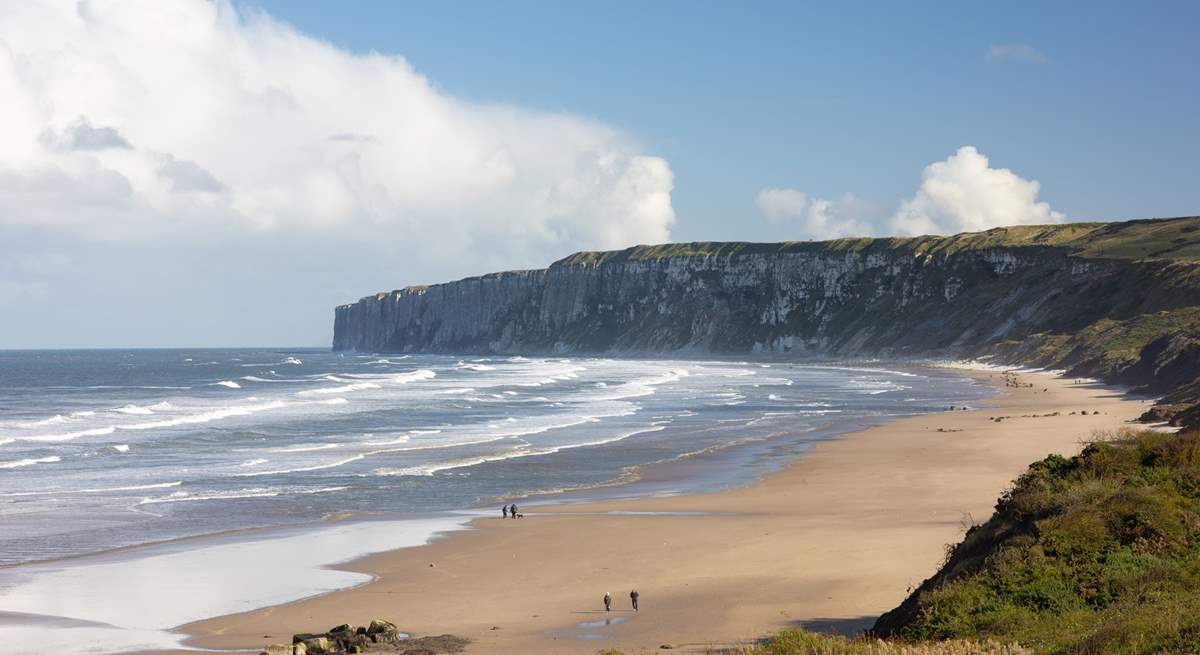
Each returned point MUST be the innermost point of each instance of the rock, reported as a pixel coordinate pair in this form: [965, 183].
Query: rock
[299, 649]
[278, 649]
[379, 625]
[417, 651]
[318, 646]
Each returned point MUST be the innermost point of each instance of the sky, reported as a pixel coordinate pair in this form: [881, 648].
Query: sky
[200, 173]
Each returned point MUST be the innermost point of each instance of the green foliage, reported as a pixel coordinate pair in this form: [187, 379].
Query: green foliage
[1099, 553]
[1175, 239]
[802, 642]
[1109, 345]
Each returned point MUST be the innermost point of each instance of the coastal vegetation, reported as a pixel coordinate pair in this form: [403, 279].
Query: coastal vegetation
[1098, 553]
[1176, 239]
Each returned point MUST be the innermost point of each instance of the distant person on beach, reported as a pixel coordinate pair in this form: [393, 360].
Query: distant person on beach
[504, 510]
[607, 602]
[633, 596]
[513, 510]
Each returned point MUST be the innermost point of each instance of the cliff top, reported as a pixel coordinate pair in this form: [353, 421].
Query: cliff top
[1173, 239]
[1167, 238]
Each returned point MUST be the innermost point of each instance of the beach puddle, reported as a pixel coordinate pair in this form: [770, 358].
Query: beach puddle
[604, 622]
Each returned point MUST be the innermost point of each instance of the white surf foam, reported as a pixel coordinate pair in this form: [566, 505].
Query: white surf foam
[253, 492]
[121, 447]
[413, 376]
[205, 417]
[302, 469]
[306, 449]
[346, 388]
[101, 490]
[67, 436]
[226, 383]
[134, 409]
[29, 462]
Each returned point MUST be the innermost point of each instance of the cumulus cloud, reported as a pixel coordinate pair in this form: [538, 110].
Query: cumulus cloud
[152, 124]
[848, 216]
[1014, 52]
[962, 193]
[819, 217]
[781, 204]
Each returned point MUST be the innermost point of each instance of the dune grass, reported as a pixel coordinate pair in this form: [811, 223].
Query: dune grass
[803, 642]
[1099, 553]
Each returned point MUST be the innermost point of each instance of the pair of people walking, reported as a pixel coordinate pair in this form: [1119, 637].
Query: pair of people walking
[510, 512]
[633, 598]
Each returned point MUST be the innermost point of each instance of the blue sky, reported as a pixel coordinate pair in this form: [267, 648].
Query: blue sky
[831, 97]
[224, 173]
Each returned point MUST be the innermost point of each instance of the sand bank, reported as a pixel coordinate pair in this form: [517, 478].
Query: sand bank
[830, 542]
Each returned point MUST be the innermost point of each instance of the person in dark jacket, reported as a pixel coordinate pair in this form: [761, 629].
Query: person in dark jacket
[607, 602]
[513, 510]
[633, 596]
[504, 510]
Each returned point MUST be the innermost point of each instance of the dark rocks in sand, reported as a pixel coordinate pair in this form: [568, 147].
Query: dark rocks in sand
[379, 636]
[379, 625]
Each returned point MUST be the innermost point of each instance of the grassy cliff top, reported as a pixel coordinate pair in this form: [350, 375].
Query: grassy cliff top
[1167, 238]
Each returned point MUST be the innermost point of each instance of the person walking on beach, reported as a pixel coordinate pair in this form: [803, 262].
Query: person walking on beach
[607, 602]
[513, 510]
[504, 510]
[633, 596]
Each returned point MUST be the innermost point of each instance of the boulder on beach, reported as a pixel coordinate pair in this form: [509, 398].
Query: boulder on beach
[379, 625]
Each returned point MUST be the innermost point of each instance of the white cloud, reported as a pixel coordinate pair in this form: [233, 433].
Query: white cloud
[848, 216]
[963, 193]
[1014, 52]
[179, 95]
[152, 124]
[779, 205]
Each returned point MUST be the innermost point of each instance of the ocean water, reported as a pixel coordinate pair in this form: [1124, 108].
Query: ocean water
[112, 448]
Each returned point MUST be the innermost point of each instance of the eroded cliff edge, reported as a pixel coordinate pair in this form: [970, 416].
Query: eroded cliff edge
[1120, 301]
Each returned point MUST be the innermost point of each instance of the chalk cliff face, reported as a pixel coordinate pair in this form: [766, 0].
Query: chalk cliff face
[807, 300]
[1018, 294]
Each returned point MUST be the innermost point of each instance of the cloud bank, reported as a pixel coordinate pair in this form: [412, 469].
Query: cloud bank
[962, 193]
[139, 127]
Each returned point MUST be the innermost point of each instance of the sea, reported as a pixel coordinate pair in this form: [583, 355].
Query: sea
[112, 460]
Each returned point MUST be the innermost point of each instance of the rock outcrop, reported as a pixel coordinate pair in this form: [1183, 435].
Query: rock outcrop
[379, 636]
[1119, 301]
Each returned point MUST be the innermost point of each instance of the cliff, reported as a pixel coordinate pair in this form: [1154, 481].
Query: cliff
[1117, 300]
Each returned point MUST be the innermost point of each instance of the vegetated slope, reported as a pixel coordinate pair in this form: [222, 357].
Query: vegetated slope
[1117, 301]
[1099, 553]
[803, 642]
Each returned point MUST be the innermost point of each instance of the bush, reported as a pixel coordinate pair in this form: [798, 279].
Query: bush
[1099, 553]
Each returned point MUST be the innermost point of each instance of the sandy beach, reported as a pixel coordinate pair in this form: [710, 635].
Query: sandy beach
[830, 542]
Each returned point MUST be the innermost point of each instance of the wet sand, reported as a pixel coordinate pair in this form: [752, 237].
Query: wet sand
[830, 542]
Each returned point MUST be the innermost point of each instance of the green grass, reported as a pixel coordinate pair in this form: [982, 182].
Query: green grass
[802, 642]
[1108, 345]
[1176, 239]
[1099, 553]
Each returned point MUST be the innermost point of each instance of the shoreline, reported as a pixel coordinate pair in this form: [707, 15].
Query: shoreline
[731, 465]
[560, 540]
